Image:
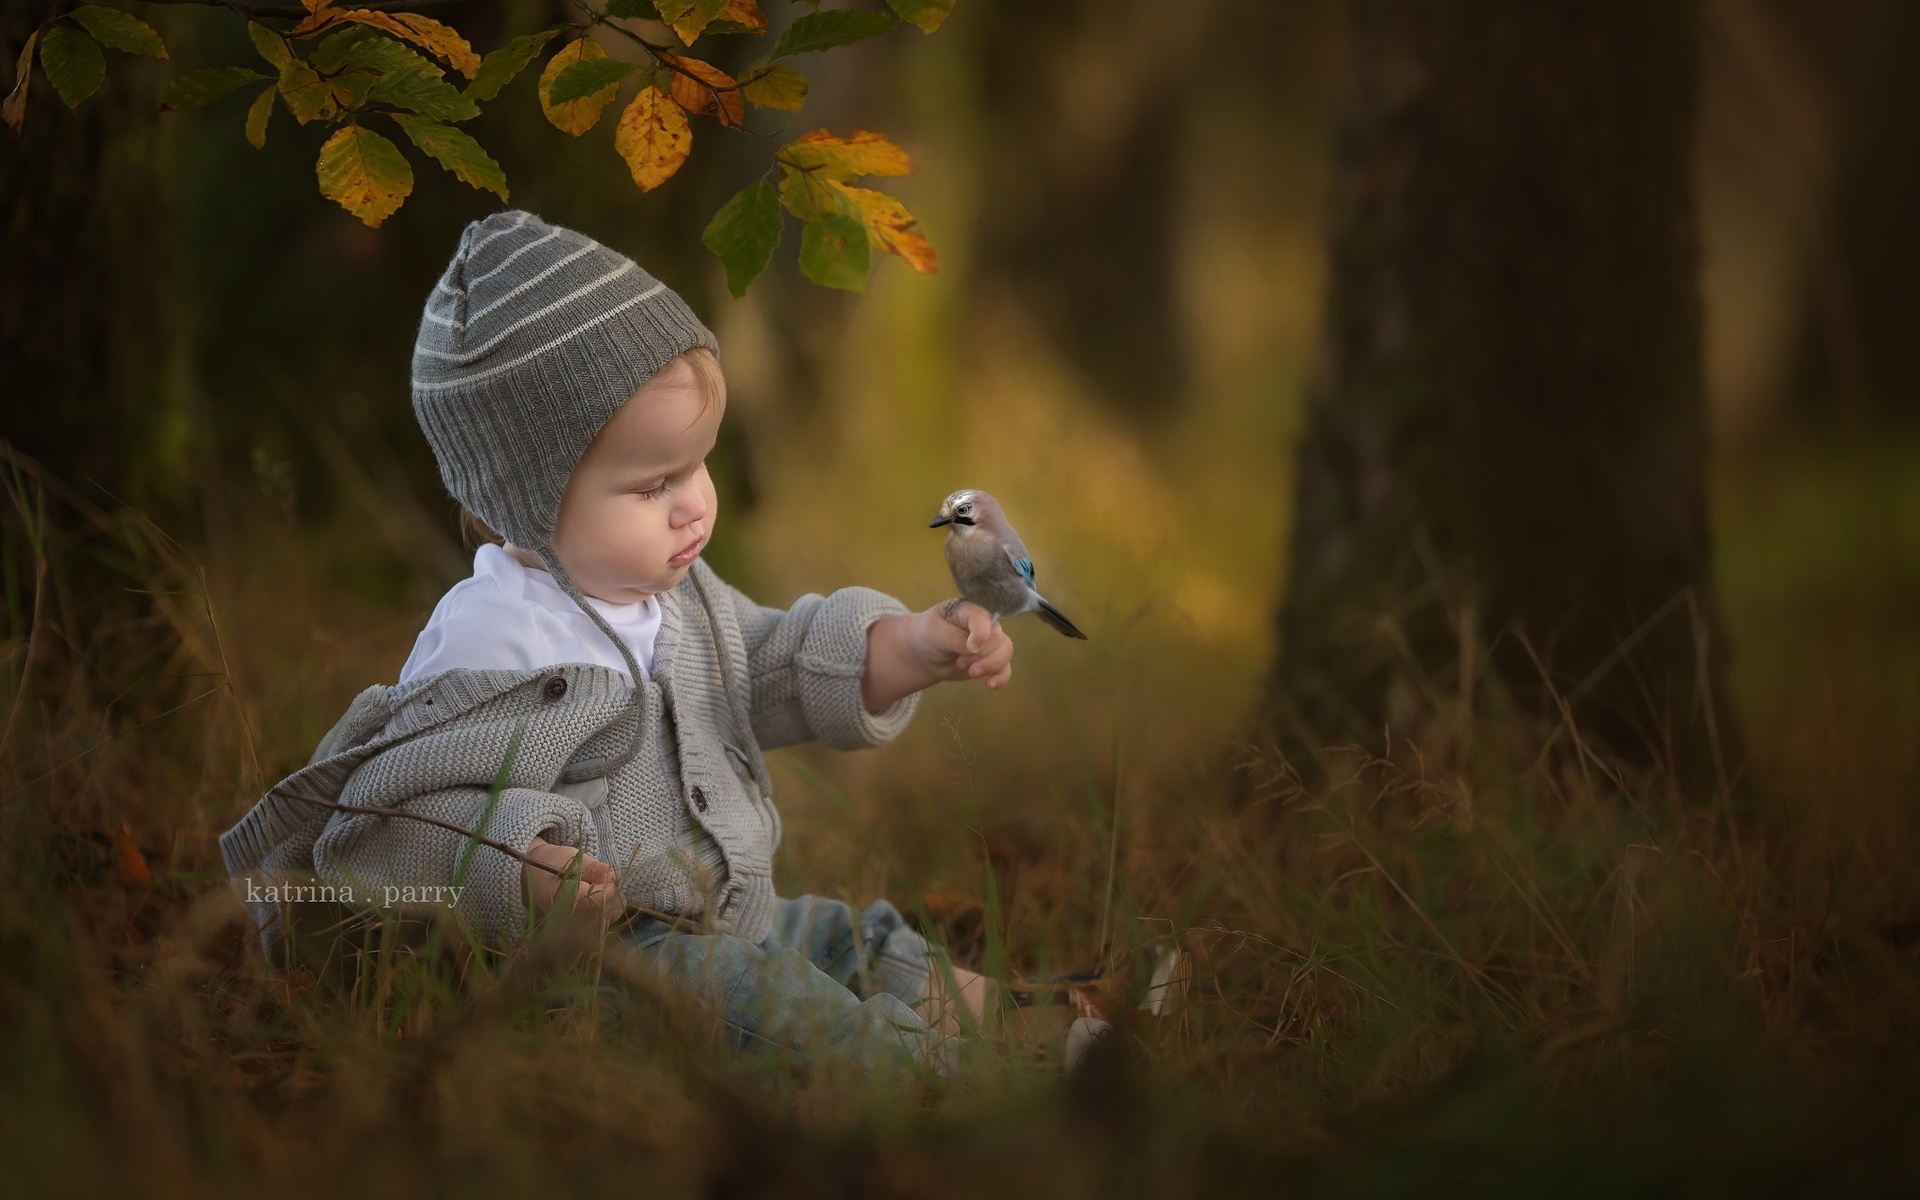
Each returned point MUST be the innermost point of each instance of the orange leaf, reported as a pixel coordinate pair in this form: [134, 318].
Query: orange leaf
[14, 111]
[745, 14]
[653, 137]
[435, 38]
[865, 153]
[574, 116]
[129, 865]
[710, 91]
[890, 225]
[296, 986]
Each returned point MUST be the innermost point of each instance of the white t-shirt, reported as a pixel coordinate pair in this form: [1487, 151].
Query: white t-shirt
[507, 617]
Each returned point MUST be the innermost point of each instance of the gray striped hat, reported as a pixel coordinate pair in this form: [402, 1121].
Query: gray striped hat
[534, 337]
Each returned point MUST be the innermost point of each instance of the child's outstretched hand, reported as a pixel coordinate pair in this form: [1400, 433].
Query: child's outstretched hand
[599, 892]
[954, 641]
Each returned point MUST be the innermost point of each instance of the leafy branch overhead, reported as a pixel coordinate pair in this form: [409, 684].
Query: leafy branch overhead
[356, 68]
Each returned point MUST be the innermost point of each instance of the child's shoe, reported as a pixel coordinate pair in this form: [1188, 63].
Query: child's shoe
[1082, 1036]
[1167, 990]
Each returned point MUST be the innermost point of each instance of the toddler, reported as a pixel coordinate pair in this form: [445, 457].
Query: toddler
[571, 401]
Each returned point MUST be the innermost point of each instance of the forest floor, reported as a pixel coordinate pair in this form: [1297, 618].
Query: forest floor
[1481, 956]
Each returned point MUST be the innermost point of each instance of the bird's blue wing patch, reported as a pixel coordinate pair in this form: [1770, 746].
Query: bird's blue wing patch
[1025, 567]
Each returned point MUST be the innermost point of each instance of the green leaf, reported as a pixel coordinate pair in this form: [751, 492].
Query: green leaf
[825, 30]
[743, 234]
[309, 97]
[589, 75]
[271, 45]
[834, 252]
[574, 117]
[257, 114]
[455, 150]
[927, 14]
[364, 173]
[779, 87]
[73, 62]
[122, 31]
[350, 45]
[196, 88]
[499, 68]
[428, 95]
[804, 192]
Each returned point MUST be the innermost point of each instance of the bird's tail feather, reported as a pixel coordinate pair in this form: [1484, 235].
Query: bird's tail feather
[1055, 618]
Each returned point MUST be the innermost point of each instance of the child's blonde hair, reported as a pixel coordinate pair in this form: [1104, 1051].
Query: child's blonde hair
[713, 390]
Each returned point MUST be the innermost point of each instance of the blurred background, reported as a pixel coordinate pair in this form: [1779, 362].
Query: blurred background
[1132, 216]
[205, 364]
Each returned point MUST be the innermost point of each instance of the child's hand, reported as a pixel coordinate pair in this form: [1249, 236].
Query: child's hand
[960, 640]
[599, 891]
[952, 641]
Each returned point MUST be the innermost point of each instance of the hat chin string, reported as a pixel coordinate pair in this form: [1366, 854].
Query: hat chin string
[567, 585]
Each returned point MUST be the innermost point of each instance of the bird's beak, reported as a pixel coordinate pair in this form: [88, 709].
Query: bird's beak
[937, 522]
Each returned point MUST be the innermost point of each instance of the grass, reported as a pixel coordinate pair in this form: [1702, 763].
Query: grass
[1467, 959]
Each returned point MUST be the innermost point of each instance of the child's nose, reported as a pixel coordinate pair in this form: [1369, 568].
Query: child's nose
[692, 507]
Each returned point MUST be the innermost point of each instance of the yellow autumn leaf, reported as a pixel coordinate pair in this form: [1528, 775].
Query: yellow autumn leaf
[779, 87]
[436, 38]
[257, 115]
[688, 17]
[701, 87]
[865, 153]
[574, 116]
[654, 137]
[889, 225]
[364, 173]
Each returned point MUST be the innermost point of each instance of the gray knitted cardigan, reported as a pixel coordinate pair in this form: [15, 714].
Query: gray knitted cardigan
[689, 819]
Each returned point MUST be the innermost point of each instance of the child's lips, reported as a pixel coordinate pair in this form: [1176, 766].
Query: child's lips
[689, 554]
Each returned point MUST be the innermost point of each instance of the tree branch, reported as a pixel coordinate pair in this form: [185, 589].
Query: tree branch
[295, 12]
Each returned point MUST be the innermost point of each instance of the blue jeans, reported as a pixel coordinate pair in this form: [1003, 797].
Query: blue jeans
[825, 983]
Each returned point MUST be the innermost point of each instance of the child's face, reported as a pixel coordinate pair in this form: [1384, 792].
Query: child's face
[639, 506]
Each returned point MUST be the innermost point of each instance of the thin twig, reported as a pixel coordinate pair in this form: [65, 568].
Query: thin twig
[368, 810]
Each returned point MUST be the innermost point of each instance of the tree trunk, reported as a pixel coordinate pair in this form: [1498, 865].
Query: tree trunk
[87, 326]
[1507, 434]
[1855, 363]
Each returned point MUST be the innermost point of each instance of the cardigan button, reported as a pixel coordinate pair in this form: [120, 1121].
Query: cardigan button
[700, 799]
[554, 688]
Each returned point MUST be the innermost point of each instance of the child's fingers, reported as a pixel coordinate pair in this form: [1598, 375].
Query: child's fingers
[999, 681]
[991, 661]
[976, 622]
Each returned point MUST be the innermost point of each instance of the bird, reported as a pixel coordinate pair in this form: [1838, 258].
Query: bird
[990, 563]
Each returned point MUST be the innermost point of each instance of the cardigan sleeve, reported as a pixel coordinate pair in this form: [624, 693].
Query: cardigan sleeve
[389, 861]
[394, 859]
[805, 665]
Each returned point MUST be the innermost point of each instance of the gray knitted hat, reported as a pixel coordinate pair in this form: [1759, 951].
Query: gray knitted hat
[532, 339]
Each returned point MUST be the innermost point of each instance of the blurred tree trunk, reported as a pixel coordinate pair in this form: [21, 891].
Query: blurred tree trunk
[87, 323]
[1506, 441]
[1854, 353]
